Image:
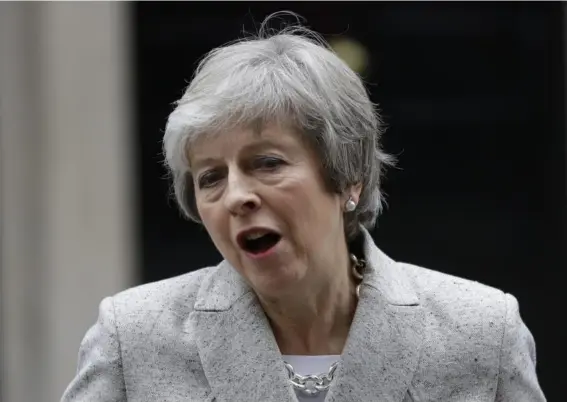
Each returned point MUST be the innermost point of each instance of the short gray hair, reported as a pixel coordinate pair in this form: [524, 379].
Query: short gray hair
[290, 76]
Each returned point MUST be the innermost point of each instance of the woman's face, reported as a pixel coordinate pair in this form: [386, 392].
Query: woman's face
[263, 201]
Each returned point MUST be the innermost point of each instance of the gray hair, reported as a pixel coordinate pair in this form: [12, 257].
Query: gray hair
[292, 77]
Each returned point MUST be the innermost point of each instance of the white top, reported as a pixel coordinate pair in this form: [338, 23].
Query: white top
[305, 365]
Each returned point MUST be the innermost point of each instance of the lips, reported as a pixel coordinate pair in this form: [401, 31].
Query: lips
[258, 240]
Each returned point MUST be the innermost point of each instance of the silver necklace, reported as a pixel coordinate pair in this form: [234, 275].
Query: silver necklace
[358, 267]
[312, 384]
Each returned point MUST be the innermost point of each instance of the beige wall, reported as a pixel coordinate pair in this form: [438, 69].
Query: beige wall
[66, 184]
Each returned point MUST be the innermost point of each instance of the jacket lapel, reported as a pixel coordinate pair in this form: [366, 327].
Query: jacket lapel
[242, 362]
[238, 351]
[384, 343]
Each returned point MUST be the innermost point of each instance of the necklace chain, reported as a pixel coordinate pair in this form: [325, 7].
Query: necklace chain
[358, 267]
[313, 384]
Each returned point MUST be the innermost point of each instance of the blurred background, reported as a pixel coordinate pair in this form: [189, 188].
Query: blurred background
[473, 94]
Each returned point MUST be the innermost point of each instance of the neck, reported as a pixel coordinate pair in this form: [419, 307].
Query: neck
[315, 319]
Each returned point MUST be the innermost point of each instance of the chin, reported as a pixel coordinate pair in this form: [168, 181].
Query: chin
[276, 284]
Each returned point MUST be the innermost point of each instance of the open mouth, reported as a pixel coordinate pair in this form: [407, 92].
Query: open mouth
[258, 242]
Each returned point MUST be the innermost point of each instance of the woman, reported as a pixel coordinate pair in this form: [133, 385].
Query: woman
[274, 148]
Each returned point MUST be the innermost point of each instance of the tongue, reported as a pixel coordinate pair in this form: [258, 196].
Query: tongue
[263, 243]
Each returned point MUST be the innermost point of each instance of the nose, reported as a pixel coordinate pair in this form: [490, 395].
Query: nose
[239, 198]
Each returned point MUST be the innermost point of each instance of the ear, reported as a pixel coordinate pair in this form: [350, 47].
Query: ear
[354, 193]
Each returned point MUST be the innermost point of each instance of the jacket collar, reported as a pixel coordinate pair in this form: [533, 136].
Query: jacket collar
[241, 359]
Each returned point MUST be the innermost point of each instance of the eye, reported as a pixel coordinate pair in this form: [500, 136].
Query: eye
[267, 163]
[209, 179]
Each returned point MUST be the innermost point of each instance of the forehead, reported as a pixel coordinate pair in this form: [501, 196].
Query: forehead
[237, 140]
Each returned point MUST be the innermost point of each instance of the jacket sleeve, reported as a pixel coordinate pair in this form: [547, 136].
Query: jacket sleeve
[517, 380]
[99, 374]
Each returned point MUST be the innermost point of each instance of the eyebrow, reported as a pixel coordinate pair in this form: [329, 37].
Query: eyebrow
[201, 162]
[255, 146]
[264, 143]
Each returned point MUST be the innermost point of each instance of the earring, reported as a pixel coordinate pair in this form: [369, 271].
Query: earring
[350, 205]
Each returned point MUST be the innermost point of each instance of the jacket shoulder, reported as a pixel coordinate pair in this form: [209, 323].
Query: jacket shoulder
[474, 332]
[462, 318]
[176, 294]
[434, 287]
[457, 310]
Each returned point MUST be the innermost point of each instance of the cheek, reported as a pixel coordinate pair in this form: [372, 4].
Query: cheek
[307, 206]
[294, 196]
[213, 223]
[204, 213]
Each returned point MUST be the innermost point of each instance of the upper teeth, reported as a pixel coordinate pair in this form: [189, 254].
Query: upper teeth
[255, 235]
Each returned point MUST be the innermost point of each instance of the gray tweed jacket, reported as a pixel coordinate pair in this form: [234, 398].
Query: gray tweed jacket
[417, 335]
